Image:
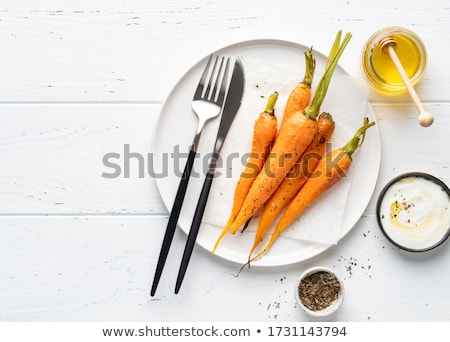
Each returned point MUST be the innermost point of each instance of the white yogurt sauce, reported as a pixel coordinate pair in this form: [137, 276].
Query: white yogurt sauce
[415, 212]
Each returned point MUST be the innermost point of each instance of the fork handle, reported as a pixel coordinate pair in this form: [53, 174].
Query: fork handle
[195, 226]
[173, 218]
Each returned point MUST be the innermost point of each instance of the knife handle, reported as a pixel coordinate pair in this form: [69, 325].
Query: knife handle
[195, 227]
[173, 218]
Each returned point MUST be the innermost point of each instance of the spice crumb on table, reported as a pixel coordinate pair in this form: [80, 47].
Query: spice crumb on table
[352, 264]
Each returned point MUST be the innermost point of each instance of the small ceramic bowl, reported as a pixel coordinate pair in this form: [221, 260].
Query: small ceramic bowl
[312, 288]
[413, 212]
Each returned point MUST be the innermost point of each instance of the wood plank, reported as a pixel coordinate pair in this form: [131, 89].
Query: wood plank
[406, 146]
[52, 159]
[101, 268]
[54, 164]
[108, 51]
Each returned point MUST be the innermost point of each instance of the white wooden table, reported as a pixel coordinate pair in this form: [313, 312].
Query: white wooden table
[83, 78]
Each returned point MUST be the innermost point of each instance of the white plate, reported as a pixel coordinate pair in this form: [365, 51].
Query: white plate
[175, 131]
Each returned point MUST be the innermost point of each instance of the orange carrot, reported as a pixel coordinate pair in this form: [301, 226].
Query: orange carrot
[299, 97]
[264, 133]
[292, 141]
[296, 177]
[329, 171]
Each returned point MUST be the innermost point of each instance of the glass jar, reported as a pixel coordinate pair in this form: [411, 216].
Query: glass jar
[378, 67]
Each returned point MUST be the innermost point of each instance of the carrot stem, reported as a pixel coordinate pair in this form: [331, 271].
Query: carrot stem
[357, 140]
[336, 51]
[310, 68]
[334, 48]
[270, 106]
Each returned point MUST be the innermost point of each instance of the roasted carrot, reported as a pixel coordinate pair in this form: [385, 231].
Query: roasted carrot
[299, 97]
[329, 171]
[291, 142]
[264, 133]
[296, 177]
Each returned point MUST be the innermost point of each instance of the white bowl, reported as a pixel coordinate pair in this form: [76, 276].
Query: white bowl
[422, 204]
[329, 310]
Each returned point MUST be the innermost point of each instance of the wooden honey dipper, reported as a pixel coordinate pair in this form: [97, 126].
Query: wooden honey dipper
[388, 45]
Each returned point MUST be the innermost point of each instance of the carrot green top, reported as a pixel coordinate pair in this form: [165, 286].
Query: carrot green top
[310, 68]
[271, 104]
[358, 139]
[336, 51]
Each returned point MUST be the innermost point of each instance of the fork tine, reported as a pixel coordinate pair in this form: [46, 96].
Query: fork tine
[201, 83]
[223, 86]
[217, 80]
[211, 79]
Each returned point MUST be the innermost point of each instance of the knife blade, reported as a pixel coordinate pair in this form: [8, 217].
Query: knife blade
[230, 109]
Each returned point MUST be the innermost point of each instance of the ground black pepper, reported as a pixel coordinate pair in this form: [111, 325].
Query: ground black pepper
[318, 290]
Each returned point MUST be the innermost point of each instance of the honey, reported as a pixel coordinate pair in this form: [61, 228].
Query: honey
[378, 67]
